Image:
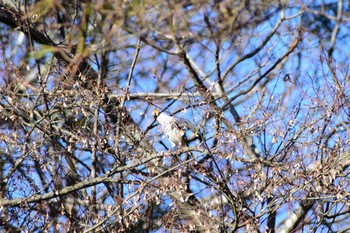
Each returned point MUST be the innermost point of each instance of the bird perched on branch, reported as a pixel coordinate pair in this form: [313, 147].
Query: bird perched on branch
[171, 128]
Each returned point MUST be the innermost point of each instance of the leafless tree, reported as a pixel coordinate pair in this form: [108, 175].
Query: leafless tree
[262, 87]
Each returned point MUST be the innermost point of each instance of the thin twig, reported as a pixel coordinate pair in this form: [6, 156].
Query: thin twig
[137, 52]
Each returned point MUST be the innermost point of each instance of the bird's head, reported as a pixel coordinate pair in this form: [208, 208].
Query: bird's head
[155, 112]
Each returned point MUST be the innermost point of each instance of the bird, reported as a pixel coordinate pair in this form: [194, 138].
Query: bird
[176, 134]
[171, 128]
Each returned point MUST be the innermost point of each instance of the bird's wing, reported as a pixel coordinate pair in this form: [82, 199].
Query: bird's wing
[172, 129]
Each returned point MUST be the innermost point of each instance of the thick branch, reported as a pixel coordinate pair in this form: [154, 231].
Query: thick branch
[77, 186]
[17, 21]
